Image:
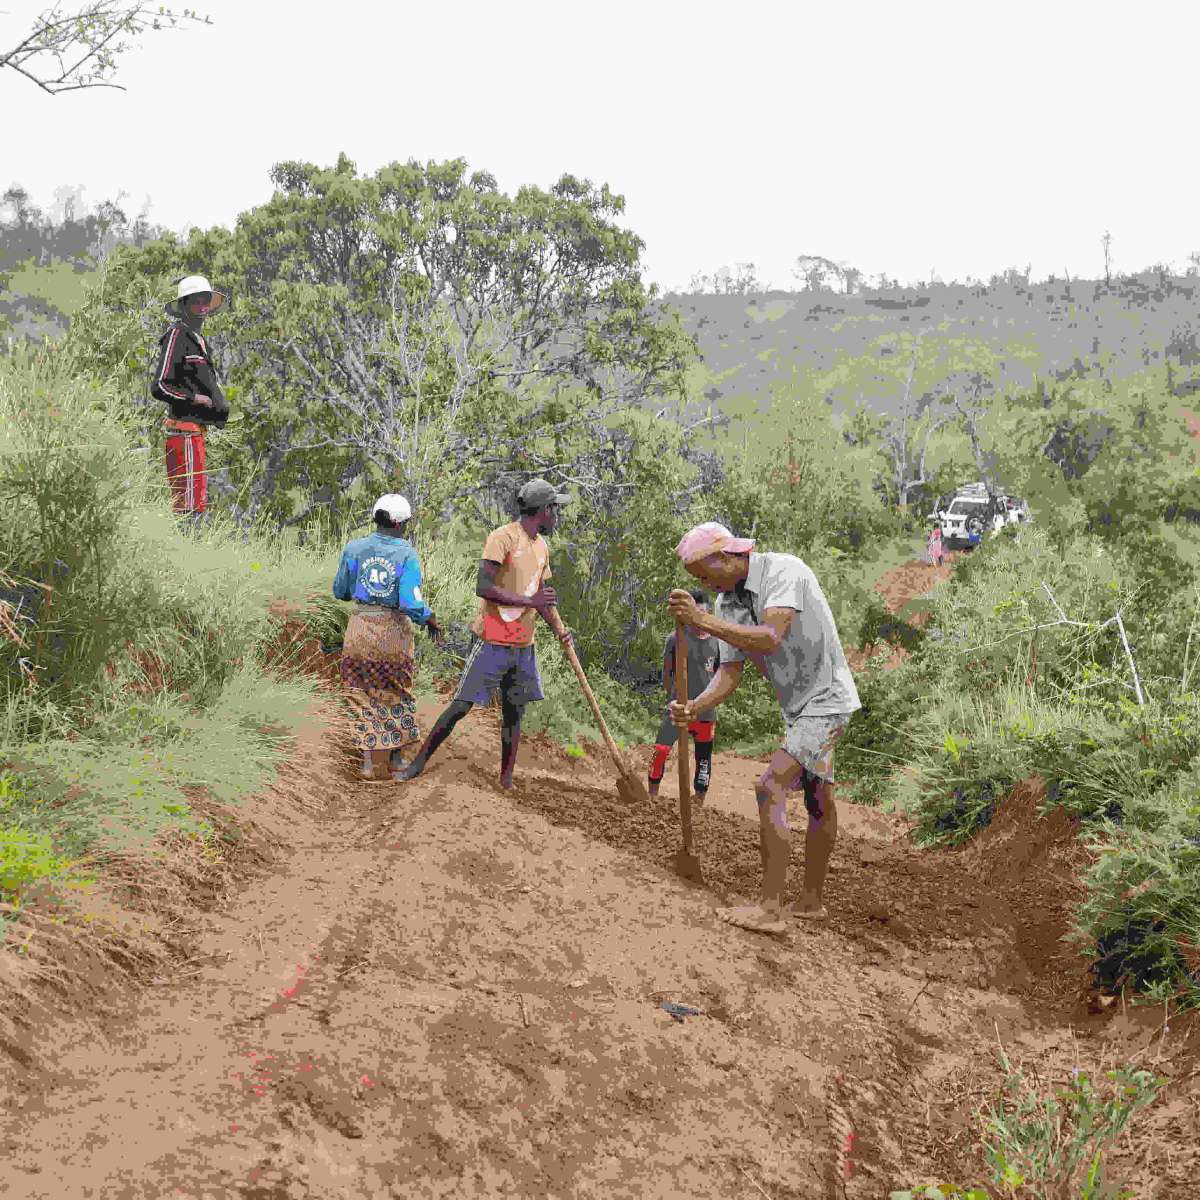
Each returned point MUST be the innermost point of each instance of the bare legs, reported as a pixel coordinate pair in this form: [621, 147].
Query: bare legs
[510, 739]
[441, 730]
[818, 846]
[775, 844]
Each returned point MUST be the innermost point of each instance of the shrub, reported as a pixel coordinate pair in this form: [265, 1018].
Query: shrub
[1051, 1146]
[1142, 910]
[24, 858]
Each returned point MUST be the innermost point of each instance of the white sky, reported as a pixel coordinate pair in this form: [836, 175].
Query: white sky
[899, 137]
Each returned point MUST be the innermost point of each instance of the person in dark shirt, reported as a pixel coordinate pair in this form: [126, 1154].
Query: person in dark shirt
[382, 576]
[185, 379]
[704, 655]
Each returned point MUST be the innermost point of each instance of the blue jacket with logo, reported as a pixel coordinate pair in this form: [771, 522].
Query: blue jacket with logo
[382, 570]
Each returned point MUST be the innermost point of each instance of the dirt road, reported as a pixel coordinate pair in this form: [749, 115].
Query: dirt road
[438, 989]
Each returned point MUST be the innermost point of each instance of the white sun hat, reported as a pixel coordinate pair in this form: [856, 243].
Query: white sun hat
[395, 506]
[190, 285]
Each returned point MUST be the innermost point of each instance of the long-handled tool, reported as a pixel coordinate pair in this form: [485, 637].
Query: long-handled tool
[629, 784]
[686, 863]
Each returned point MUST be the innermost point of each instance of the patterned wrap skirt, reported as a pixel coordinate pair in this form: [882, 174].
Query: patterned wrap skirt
[377, 668]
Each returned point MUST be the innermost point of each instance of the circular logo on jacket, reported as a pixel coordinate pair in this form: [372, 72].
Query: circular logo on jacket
[378, 576]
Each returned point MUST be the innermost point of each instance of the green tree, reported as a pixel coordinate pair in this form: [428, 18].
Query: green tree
[921, 380]
[1086, 453]
[415, 329]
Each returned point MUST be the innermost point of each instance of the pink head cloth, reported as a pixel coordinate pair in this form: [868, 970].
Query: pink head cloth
[710, 538]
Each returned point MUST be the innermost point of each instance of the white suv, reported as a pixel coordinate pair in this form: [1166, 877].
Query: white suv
[972, 511]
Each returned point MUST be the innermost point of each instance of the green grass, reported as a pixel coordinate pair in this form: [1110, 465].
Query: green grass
[1048, 1143]
[101, 751]
[24, 858]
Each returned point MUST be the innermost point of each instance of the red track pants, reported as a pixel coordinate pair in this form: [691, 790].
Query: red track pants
[186, 473]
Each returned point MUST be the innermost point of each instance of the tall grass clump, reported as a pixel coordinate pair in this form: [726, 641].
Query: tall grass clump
[131, 651]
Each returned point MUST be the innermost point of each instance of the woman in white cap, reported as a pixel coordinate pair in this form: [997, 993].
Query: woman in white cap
[185, 378]
[381, 574]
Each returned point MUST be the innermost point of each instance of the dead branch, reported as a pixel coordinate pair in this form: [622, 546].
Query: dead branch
[90, 32]
[970, 419]
[1137, 684]
[1063, 619]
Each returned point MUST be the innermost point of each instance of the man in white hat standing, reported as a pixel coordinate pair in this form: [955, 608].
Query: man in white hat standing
[185, 378]
[770, 608]
[381, 574]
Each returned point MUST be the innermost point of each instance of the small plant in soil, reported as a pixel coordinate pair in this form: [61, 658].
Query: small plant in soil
[1052, 1146]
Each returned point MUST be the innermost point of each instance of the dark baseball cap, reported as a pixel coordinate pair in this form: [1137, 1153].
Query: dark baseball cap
[538, 493]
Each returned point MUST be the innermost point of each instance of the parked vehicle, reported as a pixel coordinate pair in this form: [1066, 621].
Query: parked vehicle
[971, 513]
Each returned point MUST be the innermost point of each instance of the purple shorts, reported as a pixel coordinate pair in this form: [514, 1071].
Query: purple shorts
[510, 670]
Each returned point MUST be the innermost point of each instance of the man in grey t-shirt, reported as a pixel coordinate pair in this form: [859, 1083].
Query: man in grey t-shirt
[771, 609]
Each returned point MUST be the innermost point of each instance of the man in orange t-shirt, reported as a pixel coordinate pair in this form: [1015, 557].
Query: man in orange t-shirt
[512, 591]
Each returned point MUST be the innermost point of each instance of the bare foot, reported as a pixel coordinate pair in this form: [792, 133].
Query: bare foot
[373, 773]
[807, 910]
[506, 784]
[753, 917]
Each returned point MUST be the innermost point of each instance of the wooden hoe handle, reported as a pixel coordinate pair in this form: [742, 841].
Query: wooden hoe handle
[681, 695]
[555, 622]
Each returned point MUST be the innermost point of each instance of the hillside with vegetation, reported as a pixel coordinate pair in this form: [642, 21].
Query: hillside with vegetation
[1019, 331]
[48, 257]
[417, 330]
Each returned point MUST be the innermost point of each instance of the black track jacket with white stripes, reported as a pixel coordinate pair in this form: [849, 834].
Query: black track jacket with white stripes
[185, 367]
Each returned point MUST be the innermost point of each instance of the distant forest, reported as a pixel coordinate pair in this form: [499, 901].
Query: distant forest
[40, 247]
[750, 338]
[68, 231]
